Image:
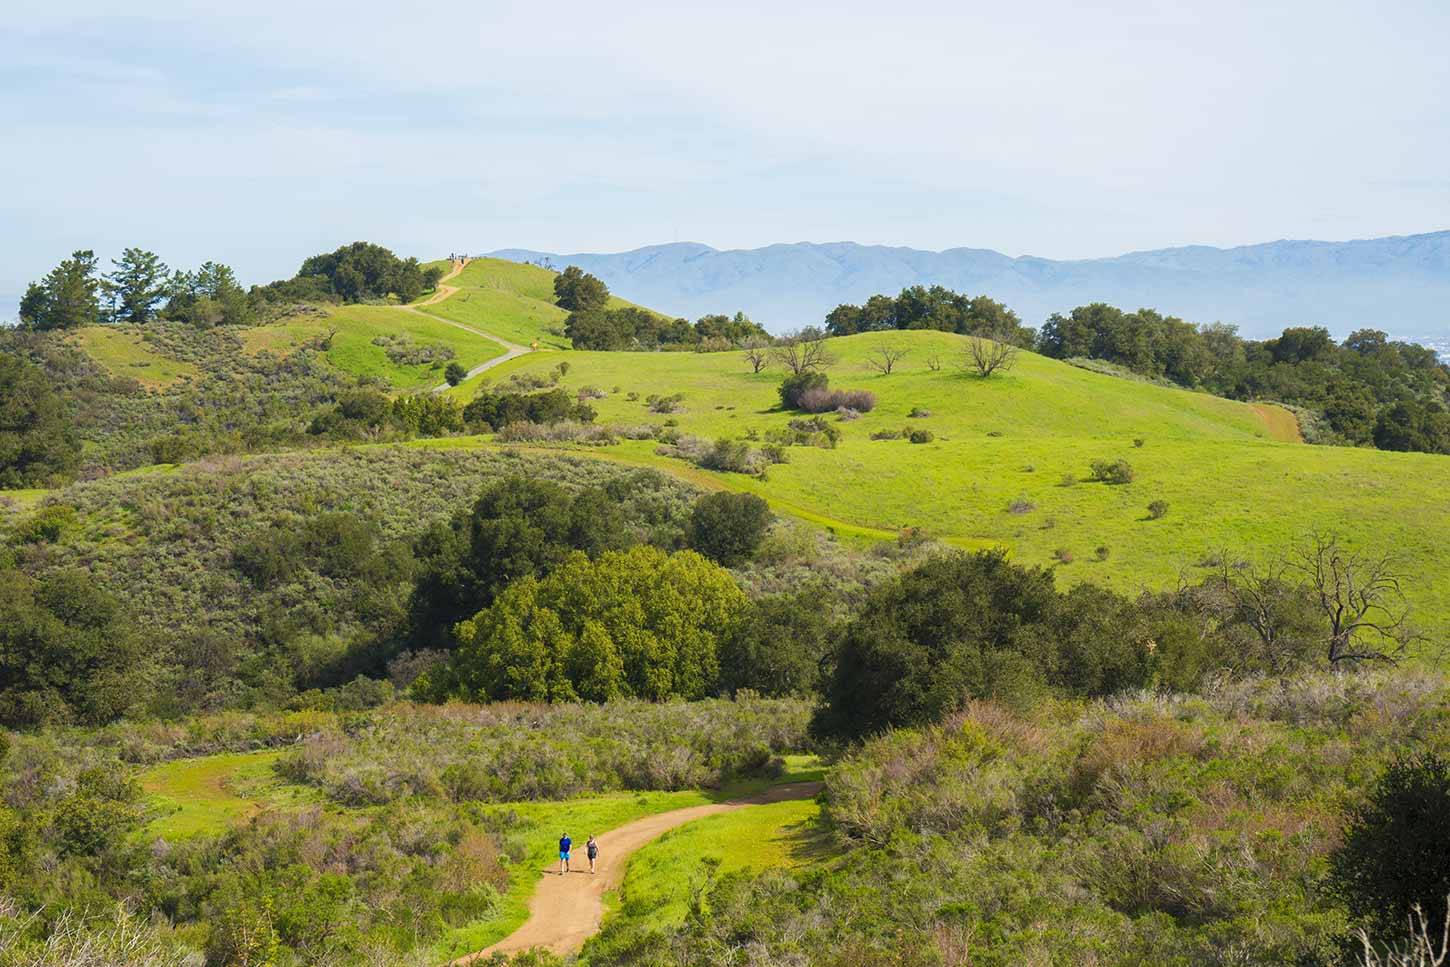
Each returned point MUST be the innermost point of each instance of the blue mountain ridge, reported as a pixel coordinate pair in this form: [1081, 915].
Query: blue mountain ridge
[1400, 283]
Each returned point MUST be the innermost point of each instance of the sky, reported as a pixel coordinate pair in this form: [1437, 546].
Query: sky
[257, 134]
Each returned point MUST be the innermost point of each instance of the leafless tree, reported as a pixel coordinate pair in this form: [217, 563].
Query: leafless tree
[757, 354]
[987, 356]
[933, 362]
[1423, 949]
[1275, 631]
[1359, 596]
[884, 357]
[802, 351]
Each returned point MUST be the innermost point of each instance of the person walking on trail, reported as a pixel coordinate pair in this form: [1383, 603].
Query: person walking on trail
[592, 849]
[564, 844]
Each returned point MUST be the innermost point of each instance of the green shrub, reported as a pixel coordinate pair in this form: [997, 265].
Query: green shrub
[1393, 857]
[1112, 471]
[636, 623]
[728, 527]
[921, 436]
[796, 385]
[455, 373]
[1157, 510]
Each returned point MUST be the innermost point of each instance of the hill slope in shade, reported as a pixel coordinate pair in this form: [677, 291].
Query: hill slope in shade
[1400, 284]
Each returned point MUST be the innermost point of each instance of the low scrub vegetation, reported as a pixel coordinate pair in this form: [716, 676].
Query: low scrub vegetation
[1149, 828]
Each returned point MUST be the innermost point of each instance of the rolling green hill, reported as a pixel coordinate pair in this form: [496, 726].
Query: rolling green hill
[353, 350]
[509, 299]
[1230, 485]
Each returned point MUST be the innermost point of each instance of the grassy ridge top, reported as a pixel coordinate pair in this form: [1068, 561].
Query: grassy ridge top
[1229, 483]
[513, 300]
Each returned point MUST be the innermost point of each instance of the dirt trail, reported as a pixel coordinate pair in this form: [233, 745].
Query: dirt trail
[567, 910]
[511, 350]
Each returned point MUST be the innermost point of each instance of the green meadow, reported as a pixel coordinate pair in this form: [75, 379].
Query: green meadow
[508, 299]
[352, 348]
[123, 352]
[212, 793]
[1027, 438]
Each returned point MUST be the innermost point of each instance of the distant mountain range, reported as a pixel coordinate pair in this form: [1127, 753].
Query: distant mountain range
[1400, 284]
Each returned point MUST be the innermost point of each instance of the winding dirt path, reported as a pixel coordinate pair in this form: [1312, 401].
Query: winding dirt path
[567, 910]
[511, 350]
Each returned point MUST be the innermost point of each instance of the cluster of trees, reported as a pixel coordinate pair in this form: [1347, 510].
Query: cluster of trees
[363, 413]
[38, 441]
[548, 594]
[629, 328]
[919, 307]
[964, 627]
[360, 272]
[593, 325]
[1370, 389]
[68, 651]
[140, 288]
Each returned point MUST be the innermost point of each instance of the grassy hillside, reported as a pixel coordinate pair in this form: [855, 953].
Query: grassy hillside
[353, 351]
[122, 351]
[508, 299]
[1230, 485]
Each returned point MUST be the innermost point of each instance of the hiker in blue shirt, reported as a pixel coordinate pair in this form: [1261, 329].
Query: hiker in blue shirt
[564, 844]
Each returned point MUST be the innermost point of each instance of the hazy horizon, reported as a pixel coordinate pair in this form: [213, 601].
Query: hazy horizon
[1047, 129]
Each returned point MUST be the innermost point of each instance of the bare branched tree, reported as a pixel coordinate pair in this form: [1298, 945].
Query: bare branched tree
[933, 362]
[757, 354]
[987, 356]
[885, 356]
[1359, 595]
[802, 351]
[1423, 949]
[1278, 633]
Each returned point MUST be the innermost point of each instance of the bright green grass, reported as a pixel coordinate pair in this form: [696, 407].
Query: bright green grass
[19, 501]
[661, 875]
[541, 822]
[211, 793]
[122, 351]
[1229, 486]
[353, 350]
[512, 300]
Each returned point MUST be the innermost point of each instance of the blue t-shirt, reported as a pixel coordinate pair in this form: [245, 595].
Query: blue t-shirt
[564, 844]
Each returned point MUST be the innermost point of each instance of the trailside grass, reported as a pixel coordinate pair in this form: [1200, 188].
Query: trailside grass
[662, 876]
[1027, 437]
[540, 823]
[352, 348]
[512, 300]
[212, 793]
[123, 352]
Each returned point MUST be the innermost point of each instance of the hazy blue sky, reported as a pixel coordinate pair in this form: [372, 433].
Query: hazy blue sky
[258, 133]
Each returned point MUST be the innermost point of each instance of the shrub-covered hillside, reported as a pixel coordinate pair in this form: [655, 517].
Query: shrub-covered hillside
[1147, 829]
[256, 577]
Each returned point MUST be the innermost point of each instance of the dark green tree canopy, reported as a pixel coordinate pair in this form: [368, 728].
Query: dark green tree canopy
[517, 528]
[67, 298]
[358, 272]
[728, 527]
[578, 291]
[919, 307]
[136, 286]
[38, 443]
[1393, 857]
[68, 653]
